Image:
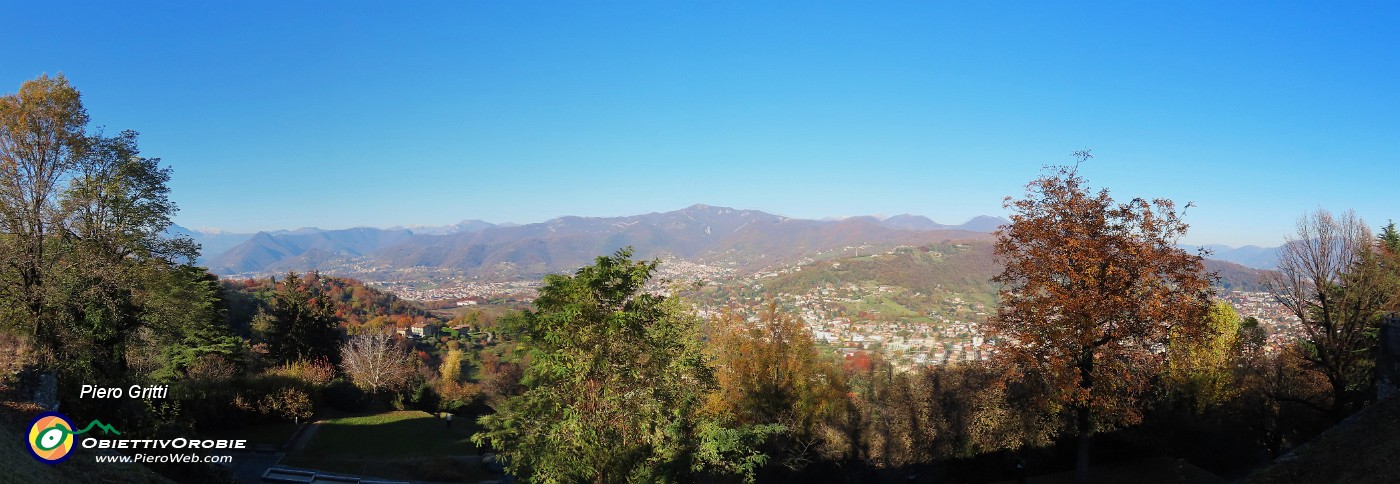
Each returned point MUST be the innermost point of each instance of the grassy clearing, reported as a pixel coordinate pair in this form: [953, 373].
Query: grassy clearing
[396, 445]
[394, 434]
[887, 308]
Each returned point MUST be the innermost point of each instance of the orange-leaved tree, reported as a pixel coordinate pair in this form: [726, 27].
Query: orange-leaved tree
[1091, 291]
[769, 370]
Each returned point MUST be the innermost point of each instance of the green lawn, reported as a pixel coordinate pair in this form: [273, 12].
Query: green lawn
[397, 445]
[884, 305]
[394, 434]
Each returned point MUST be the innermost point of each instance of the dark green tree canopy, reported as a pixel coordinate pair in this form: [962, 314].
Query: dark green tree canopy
[1390, 238]
[303, 324]
[613, 386]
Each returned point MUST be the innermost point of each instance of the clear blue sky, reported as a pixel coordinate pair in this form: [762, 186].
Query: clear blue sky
[338, 114]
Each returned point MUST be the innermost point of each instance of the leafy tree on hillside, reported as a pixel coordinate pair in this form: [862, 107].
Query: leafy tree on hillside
[770, 370]
[450, 385]
[941, 412]
[184, 321]
[82, 222]
[356, 305]
[614, 385]
[302, 323]
[42, 139]
[1390, 238]
[1202, 369]
[120, 205]
[1331, 277]
[1390, 261]
[1091, 289]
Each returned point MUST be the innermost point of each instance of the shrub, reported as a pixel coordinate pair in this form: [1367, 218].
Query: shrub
[288, 403]
[315, 373]
[346, 396]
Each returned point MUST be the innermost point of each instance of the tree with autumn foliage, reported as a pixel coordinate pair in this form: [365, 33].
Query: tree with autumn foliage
[769, 370]
[1092, 290]
[1201, 370]
[456, 393]
[83, 250]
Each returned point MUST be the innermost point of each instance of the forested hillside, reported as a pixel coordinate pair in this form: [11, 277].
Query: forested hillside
[961, 267]
[352, 302]
[964, 267]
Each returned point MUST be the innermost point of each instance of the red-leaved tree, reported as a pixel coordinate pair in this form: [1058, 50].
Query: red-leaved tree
[1091, 288]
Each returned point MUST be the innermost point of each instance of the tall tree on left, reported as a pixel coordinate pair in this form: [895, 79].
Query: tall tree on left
[82, 230]
[42, 137]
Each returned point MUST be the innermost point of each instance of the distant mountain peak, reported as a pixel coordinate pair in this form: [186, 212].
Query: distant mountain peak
[983, 223]
[466, 225]
[910, 221]
[712, 209]
[980, 223]
[862, 218]
[1251, 256]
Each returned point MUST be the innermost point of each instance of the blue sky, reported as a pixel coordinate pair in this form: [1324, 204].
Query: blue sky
[338, 114]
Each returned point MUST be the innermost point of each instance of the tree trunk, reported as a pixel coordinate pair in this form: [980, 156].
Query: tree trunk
[1086, 435]
[1084, 418]
[1340, 396]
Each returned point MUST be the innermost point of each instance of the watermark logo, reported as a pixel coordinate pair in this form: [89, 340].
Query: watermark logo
[51, 436]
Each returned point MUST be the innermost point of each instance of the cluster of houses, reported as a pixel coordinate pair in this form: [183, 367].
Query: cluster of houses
[462, 290]
[1280, 324]
[947, 334]
[419, 331]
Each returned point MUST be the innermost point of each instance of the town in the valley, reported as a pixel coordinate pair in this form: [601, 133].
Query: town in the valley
[841, 317]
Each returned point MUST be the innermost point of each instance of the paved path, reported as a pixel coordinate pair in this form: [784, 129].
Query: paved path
[304, 437]
[250, 466]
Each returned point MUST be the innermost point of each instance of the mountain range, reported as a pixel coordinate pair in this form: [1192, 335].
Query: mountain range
[704, 233]
[1249, 256]
[741, 239]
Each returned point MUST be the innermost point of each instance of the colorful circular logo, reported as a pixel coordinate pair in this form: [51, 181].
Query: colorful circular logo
[51, 437]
